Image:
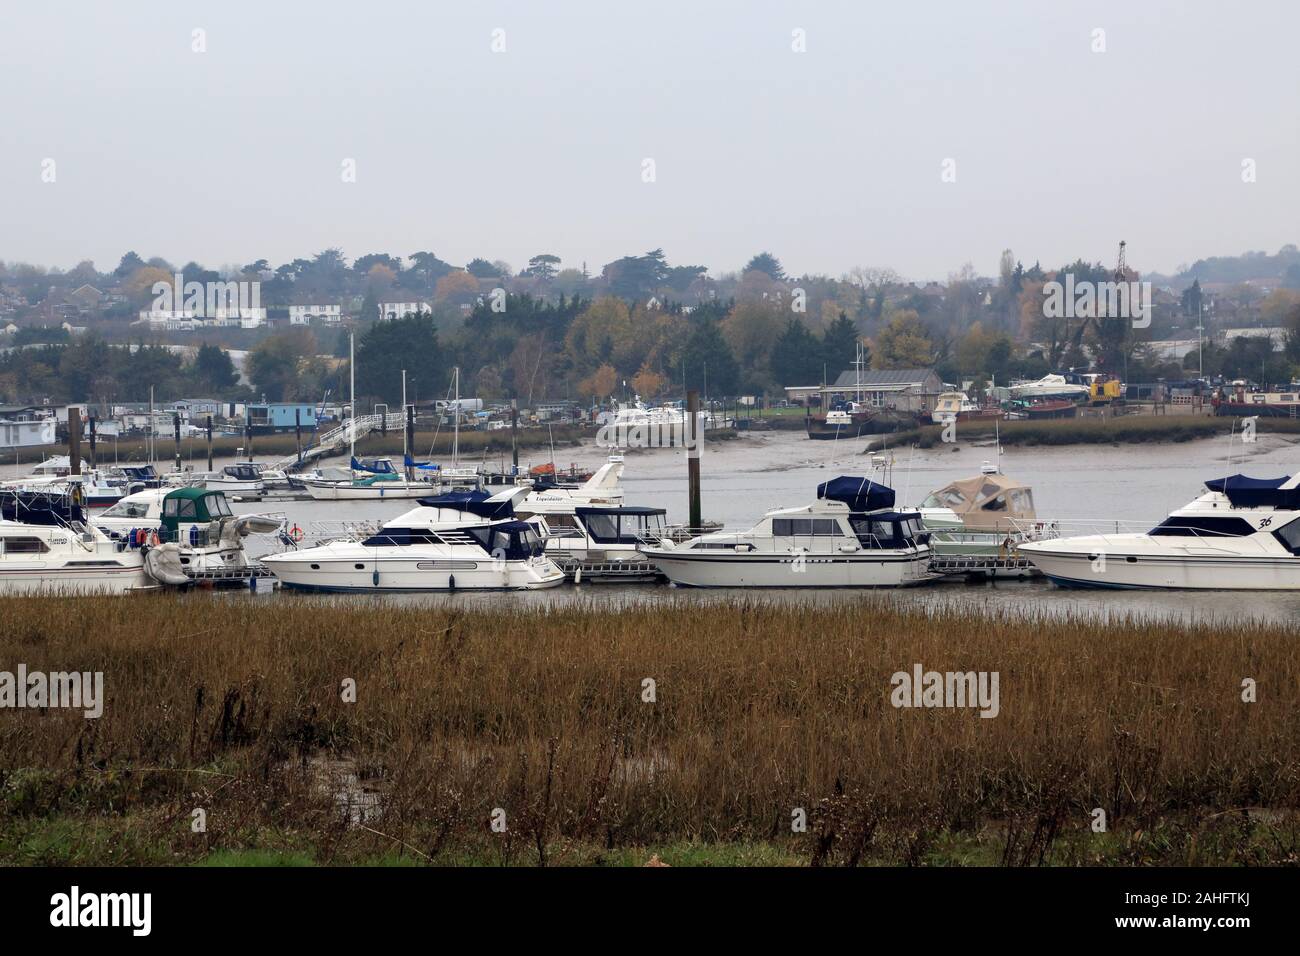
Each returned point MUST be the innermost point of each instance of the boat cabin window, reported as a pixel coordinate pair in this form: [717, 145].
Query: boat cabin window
[217, 506]
[513, 542]
[128, 509]
[400, 537]
[885, 532]
[1022, 501]
[180, 508]
[1289, 535]
[16, 545]
[1203, 527]
[620, 528]
[944, 499]
[803, 527]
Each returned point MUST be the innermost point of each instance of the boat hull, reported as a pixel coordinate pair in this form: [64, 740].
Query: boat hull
[1043, 411]
[73, 580]
[233, 487]
[333, 491]
[737, 570]
[306, 572]
[1114, 566]
[881, 423]
[1249, 410]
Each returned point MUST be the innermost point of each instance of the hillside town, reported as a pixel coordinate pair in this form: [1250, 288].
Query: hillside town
[638, 327]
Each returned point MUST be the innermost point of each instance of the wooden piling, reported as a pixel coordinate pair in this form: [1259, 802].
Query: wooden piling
[74, 440]
[696, 439]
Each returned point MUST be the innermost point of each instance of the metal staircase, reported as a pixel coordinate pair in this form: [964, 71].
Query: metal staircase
[341, 435]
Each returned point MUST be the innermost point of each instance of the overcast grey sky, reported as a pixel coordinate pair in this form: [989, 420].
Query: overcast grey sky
[829, 158]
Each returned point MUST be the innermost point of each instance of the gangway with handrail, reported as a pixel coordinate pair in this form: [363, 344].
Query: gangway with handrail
[344, 434]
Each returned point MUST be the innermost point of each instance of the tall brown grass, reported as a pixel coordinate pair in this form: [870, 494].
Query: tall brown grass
[234, 705]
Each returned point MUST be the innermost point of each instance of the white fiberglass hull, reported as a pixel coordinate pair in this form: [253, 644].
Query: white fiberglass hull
[722, 569]
[1140, 561]
[346, 491]
[317, 570]
[117, 575]
[233, 486]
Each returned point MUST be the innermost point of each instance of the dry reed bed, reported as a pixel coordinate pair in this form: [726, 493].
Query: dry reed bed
[235, 705]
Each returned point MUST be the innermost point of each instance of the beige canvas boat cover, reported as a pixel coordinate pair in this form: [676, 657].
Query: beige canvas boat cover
[985, 502]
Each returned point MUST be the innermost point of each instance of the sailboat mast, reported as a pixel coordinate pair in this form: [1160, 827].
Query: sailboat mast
[455, 438]
[352, 396]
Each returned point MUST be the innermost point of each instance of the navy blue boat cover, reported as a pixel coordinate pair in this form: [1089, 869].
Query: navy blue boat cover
[474, 502]
[380, 467]
[1246, 492]
[860, 494]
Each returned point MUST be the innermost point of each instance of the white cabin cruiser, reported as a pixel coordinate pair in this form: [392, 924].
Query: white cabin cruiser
[601, 543]
[457, 541]
[95, 488]
[851, 536]
[245, 477]
[368, 478]
[1242, 534]
[602, 488]
[589, 532]
[47, 547]
[190, 534]
[1049, 386]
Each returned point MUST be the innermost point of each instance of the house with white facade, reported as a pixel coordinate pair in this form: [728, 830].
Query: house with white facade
[320, 314]
[399, 310]
[187, 320]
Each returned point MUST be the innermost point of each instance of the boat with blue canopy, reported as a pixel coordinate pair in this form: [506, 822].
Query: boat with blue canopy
[852, 536]
[1241, 534]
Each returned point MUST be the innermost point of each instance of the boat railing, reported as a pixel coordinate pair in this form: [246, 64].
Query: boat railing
[1107, 528]
[677, 533]
[292, 536]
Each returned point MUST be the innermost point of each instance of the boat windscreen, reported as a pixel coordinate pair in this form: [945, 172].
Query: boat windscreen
[509, 540]
[1207, 526]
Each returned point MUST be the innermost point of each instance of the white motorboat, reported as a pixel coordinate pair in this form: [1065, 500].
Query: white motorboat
[959, 407]
[1049, 386]
[367, 479]
[851, 536]
[1241, 534]
[589, 532]
[245, 477]
[47, 547]
[986, 516]
[602, 488]
[453, 542]
[94, 488]
[190, 533]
